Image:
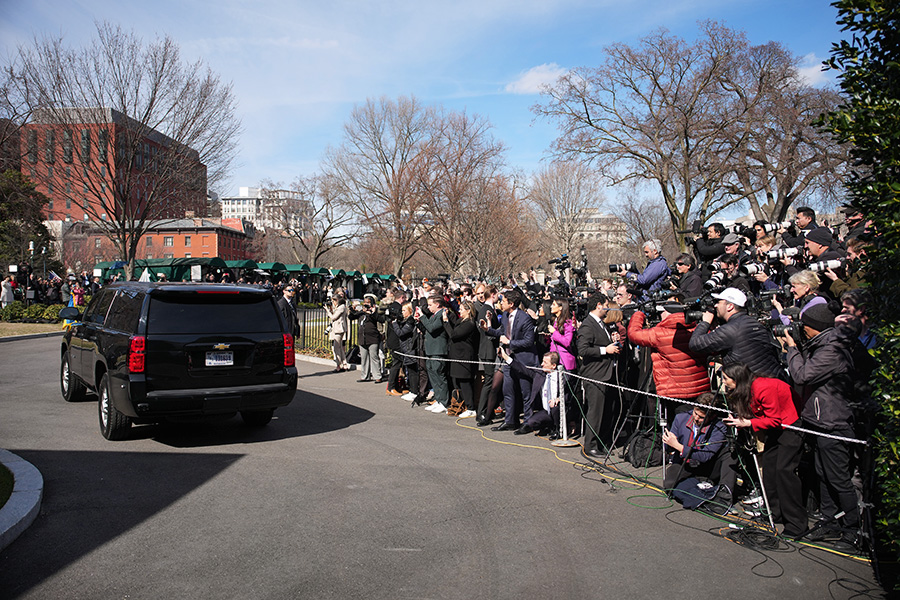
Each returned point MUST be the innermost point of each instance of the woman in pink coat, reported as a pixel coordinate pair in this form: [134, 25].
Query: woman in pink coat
[562, 333]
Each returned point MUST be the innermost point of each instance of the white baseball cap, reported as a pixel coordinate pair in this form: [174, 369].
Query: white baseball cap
[733, 295]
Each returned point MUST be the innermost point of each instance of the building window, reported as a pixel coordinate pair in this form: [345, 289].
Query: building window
[85, 146]
[103, 171]
[168, 255]
[168, 240]
[50, 146]
[85, 187]
[102, 143]
[187, 255]
[67, 145]
[68, 187]
[49, 170]
[50, 204]
[205, 240]
[187, 240]
[49, 188]
[97, 258]
[149, 241]
[68, 203]
[149, 255]
[32, 146]
[96, 242]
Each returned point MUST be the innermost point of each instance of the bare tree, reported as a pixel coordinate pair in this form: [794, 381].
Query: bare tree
[466, 160]
[160, 129]
[564, 196]
[312, 216]
[644, 219]
[660, 112]
[383, 168]
[783, 156]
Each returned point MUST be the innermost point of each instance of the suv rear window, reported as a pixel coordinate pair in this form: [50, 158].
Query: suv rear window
[176, 313]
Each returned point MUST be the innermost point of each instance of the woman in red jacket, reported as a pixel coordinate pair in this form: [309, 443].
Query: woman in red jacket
[765, 404]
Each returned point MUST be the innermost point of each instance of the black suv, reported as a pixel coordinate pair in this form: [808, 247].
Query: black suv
[161, 351]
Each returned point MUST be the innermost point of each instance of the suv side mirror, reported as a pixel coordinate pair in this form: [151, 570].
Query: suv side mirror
[70, 313]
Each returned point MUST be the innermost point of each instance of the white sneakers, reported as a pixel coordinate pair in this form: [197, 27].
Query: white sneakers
[437, 408]
[409, 397]
[466, 414]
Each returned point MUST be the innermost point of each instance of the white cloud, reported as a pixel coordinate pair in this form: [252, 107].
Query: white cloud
[535, 79]
[811, 71]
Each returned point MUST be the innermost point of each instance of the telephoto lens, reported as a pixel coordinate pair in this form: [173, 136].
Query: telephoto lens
[774, 255]
[753, 268]
[715, 281]
[623, 268]
[825, 264]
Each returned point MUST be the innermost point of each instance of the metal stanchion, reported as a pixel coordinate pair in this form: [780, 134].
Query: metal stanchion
[565, 442]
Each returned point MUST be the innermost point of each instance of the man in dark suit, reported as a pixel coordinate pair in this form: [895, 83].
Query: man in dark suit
[485, 297]
[288, 310]
[516, 333]
[597, 350]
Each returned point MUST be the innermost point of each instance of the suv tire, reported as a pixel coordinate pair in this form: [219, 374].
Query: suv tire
[257, 418]
[72, 388]
[113, 424]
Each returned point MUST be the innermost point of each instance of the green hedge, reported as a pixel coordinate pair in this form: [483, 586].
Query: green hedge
[17, 312]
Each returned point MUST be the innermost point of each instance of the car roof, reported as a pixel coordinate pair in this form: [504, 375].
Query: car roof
[152, 287]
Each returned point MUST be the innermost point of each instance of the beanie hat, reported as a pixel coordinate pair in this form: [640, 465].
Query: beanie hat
[820, 235]
[818, 317]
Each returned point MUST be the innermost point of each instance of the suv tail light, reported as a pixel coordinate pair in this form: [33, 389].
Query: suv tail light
[136, 354]
[288, 350]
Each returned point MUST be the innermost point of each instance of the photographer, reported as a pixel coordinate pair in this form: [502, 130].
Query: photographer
[740, 337]
[697, 437]
[855, 273]
[823, 374]
[392, 313]
[764, 404]
[803, 287]
[687, 278]
[730, 266]
[710, 247]
[369, 339]
[804, 223]
[336, 311]
[651, 278]
[677, 371]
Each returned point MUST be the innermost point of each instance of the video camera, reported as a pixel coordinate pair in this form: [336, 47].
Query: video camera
[693, 312]
[562, 263]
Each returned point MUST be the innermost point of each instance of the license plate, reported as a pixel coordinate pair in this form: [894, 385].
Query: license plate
[219, 359]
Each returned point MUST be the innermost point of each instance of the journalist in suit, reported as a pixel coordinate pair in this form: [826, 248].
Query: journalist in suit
[516, 332]
[598, 351]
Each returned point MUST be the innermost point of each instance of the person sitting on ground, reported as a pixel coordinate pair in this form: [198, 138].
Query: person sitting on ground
[697, 437]
[548, 390]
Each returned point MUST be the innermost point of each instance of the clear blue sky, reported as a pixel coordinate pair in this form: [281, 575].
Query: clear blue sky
[299, 66]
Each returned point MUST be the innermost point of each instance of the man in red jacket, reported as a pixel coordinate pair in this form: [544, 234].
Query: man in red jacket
[677, 372]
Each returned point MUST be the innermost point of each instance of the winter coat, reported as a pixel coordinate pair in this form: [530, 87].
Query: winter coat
[463, 347]
[368, 333]
[404, 331]
[561, 342]
[742, 339]
[677, 371]
[340, 324]
[436, 339]
[823, 376]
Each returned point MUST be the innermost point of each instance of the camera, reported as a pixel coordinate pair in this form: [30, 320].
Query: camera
[816, 267]
[561, 259]
[694, 312]
[717, 280]
[773, 227]
[753, 268]
[715, 266]
[624, 268]
[776, 255]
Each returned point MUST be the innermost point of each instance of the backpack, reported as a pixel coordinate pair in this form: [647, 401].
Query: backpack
[644, 449]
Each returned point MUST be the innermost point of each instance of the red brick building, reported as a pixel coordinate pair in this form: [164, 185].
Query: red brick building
[76, 156]
[84, 244]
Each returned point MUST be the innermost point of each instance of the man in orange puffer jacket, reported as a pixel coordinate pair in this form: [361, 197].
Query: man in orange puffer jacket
[677, 372]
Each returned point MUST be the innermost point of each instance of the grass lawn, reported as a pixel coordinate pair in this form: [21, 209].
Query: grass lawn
[8, 329]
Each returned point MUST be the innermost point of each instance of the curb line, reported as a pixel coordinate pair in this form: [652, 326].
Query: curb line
[24, 503]
[31, 336]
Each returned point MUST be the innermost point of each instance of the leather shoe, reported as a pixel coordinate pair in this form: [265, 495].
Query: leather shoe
[380, 380]
[504, 427]
[554, 436]
[364, 380]
[594, 453]
[523, 430]
[483, 422]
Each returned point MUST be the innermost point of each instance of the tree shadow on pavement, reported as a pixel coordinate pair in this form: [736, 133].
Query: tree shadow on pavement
[90, 498]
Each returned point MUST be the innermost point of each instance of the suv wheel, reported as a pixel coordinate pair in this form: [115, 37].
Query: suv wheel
[113, 424]
[72, 388]
[257, 418]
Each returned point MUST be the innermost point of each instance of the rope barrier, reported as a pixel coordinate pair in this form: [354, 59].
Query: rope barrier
[642, 392]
